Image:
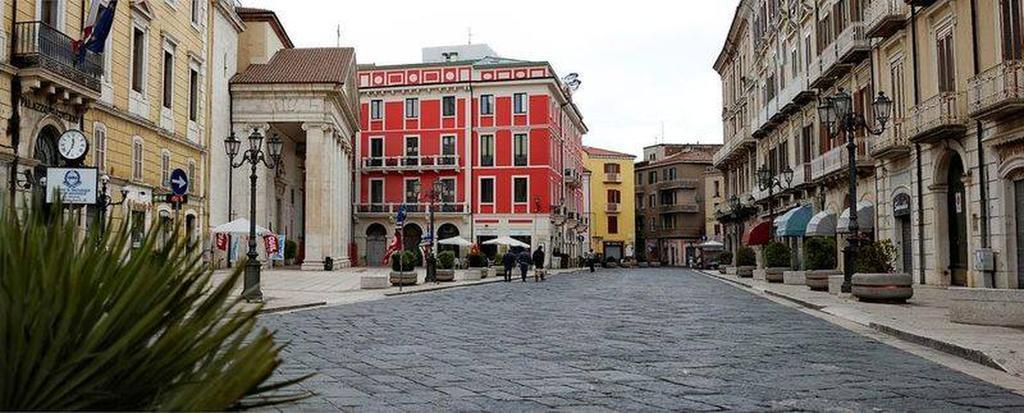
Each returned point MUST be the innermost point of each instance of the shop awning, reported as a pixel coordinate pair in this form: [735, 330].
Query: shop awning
[865, 218]
[794, 222]
[822, 224]
[759, 234]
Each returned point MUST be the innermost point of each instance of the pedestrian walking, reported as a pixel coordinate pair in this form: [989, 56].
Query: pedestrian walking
[524, 263]
[509, 261]
[590, 260]
[538, 264]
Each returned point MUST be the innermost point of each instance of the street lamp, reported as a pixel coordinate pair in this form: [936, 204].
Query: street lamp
[104, 201]
[767, 180]
[439, 193]
[839, 118]
[254, 156]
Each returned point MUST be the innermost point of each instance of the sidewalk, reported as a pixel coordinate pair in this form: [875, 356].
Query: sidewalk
[923, 320]
[292, 289]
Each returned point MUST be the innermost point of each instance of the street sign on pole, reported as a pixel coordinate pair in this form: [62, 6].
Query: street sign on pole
[179, 182]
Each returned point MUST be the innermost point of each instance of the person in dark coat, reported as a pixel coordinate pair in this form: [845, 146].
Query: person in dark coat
[538, 264]
[524, 261]
[509, 261]
[590, 260]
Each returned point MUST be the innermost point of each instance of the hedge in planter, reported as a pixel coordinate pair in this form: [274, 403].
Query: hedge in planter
[446, 266]
[745, 257]
[820, 253]
[404, 261]
[725, 259]
[876, 257]
[777, 255]
[875, 279]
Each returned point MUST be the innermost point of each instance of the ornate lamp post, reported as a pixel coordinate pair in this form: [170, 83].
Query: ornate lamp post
[837, 114]
[438, 193]
[105, 200]
[734, 207]
[766, 180]
[254, 156]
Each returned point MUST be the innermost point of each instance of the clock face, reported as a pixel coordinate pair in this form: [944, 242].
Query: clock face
[72, 145]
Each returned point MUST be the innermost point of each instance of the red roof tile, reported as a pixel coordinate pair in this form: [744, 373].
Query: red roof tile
[312, 65]
[605, 152]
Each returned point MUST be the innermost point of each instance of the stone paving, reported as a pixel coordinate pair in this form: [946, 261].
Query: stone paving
[625, 340]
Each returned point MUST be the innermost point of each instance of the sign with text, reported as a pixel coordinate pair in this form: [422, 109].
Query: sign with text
[76, 186]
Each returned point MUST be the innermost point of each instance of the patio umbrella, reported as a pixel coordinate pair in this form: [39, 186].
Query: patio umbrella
[711, 245]
[239, 226]
[508, 241]
[456, 241]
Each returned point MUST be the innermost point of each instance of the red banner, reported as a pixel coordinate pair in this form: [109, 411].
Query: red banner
[222, 242]
[271, 243]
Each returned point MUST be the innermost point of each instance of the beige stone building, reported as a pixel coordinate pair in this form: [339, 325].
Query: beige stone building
[952, 69]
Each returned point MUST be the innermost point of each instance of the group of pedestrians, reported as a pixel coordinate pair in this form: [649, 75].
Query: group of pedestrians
[523, 260]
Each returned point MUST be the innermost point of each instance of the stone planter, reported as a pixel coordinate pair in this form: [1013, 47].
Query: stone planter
[496, 271]
[794, 277]
[745, 271]
[643, 264]
[835, 284]
[373, 282]
[655, 264]
[445, 275]
[474, 274]
[774, 275]
[731, 271]
[883, 287]
[403, 278]
[986, 306]
[613, 264]
[817, 280]
[760, 274]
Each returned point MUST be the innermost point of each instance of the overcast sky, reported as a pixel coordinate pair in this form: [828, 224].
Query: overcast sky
[642, 62]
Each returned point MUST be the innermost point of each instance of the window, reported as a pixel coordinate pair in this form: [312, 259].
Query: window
[614, 196]
[613, 224]
[376, 151]
[1012, 40]
[168, 81]
[639, 202]
[486, 104]
[486, 150]
[652, 177]
[193, 178]
[639, 178]
[448, 150]
[412, 108]
[668, 197]
[376, 191]
[652, 201]
[671, 172]
[519, 103]
[611, 168]
[99, 133]
[137, 159]
[193, 94]
[376, 109]
[896, 85]
[448, 106]
[196, 11]
[486, 190]
[50, 13]
[412, 150]
[412, 190]
[520, 150]
[138, 60]
[165, 168]
[448, 197]
[946, 62]
[521, 193]
[718, 192]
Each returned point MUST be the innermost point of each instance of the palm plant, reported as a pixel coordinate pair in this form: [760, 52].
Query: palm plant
[86, 323]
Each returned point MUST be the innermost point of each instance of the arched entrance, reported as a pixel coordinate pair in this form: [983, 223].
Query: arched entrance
[376, 245]
[448, 231]
[956, 219]
[45, 151]
[411, 237]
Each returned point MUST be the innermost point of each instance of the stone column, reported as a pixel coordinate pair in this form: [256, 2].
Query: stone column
[317, 183]
[345, 212]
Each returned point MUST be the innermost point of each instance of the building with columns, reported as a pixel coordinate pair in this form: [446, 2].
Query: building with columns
[502, 135]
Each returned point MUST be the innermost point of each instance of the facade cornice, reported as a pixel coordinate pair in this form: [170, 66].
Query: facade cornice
[147, 124]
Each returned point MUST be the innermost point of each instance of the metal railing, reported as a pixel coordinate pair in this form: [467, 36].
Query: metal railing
[881, 12]
[852, 39]
[944, 109]
[411, 163]
[837, 159]
[410, 208]
[613, 177]
[36, 44]
[684, 208]
[613, 208]
[892, 139]
[996, 87]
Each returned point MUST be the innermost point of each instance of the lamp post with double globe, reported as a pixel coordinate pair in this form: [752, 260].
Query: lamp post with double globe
[254, 156]
[767, 180]
[837, 113]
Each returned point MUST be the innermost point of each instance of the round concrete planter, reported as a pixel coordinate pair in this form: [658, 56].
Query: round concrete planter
[403, 278]
[883, 287]
[730, 270]
[445, 275]
[745, 271]
[775, 275]
[817, 280]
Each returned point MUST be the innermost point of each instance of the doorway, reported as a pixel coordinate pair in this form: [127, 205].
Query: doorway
[905, 244]
[376, 245]
[956, 218]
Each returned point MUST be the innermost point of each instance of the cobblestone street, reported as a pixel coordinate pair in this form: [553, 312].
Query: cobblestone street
[627, 340]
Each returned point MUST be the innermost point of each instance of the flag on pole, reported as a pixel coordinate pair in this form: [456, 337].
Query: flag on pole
[96, 27]
[396, 245]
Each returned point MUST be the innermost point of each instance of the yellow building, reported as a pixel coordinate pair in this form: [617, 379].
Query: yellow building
[612, 208]
[141, 103]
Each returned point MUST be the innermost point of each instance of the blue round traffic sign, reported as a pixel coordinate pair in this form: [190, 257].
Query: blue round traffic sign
[179, 182]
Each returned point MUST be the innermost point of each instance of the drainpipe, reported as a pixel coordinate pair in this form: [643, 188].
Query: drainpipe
[14, 124]
[917, 150]
[983, 188]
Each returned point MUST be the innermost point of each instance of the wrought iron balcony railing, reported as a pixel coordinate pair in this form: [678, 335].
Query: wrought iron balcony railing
[410, 208]
[998, 91]
[37, 45]
[943, 115]
[884, 17]
[411, 163]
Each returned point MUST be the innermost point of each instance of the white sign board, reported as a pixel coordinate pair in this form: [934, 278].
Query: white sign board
[77, 186]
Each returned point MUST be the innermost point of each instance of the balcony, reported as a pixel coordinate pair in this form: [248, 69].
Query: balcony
[390, 209]
[613, 178]
[835, 162]
[572, 177]
[852, 46]
[733, 147]
[613, 208]
[678, 184]
[885, 17]
[997, 92]
[802, 176]
[48, 62]
[795, 95]
[520, 160]
[943, 116]
[402, 164]
[679, 208]
[893, 142]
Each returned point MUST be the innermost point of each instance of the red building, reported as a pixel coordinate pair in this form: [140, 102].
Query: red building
[502, 136]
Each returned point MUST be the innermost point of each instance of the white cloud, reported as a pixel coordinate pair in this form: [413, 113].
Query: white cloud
[642, 63]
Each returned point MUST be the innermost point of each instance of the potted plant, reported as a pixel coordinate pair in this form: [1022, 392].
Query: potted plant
[875, 279]
[477, 265]
[628, 262]
[725, 259]
[746, 262]
[403, 268]
[820, 262]
[777, 259]
[446, 266]
[290, 250]
[611, 262]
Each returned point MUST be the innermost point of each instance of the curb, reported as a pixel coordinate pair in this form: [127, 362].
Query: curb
[453, 286]
[972, 355]
[291, 307]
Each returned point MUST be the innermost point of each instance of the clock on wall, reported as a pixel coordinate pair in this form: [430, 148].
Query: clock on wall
[72, 146]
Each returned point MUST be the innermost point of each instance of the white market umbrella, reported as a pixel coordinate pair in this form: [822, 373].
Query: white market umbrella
[457, 241]
[711, 245]
[239, 226]
[509, 241]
